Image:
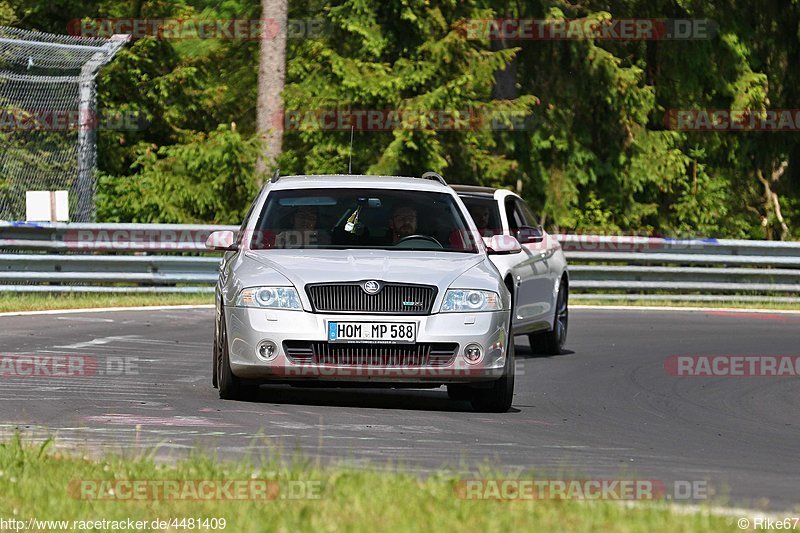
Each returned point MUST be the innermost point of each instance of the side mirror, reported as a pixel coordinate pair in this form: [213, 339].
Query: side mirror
[221, 240]
[528, 234]
[502, 245]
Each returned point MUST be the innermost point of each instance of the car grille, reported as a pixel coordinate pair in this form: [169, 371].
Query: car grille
[393, 355]
[399, 299]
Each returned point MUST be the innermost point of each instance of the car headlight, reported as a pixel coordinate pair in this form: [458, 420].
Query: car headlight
[269, 298]
[470, 301]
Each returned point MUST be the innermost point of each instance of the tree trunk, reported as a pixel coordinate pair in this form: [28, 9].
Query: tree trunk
[271, 77]
[505, 81]
[772, 202]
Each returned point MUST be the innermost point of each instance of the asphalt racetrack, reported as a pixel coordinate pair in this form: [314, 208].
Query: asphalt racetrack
[608, 409]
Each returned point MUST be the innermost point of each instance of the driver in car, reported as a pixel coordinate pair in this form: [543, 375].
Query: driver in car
[403, 222]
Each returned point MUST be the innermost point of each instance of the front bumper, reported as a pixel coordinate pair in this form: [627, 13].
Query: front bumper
[247, 327]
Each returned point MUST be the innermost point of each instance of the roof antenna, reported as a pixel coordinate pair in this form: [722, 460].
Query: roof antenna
[350, 165]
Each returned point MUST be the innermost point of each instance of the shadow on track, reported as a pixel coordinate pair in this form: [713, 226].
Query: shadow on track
[374, 398]
[524, 351]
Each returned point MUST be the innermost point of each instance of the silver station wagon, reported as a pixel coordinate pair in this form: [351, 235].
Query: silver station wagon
[363, 281]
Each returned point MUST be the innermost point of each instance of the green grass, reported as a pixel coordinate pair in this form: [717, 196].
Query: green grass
[35, 301]
[35, 481]
[577, 299]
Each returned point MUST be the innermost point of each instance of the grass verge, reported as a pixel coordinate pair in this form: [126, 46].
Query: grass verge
[35, 301]
[780, 306]
[37, 482]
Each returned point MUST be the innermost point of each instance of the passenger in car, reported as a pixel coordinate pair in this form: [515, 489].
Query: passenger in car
[304, 230]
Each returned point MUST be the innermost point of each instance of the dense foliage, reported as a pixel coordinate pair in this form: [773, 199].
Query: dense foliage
[594, 153]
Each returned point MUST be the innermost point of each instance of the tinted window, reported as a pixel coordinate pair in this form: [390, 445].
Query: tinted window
[515, 217]
[485, 213]
[526, 213]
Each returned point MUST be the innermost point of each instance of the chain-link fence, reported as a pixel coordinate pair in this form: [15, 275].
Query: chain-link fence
[47, 117]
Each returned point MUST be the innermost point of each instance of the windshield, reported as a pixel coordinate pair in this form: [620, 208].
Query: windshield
[362, 218]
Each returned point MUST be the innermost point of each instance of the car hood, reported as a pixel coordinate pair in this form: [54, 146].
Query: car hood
[321, 266]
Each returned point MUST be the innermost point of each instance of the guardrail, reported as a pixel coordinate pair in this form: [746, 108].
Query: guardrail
[142, 257]
[61, 237]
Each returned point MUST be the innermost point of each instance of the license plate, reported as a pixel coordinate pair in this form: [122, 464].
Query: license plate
[379, 332]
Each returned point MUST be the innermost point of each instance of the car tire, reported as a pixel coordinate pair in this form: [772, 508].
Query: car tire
[552, 342]
[215, 355]
[459, 392]
[499, 397]
[230, 386]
